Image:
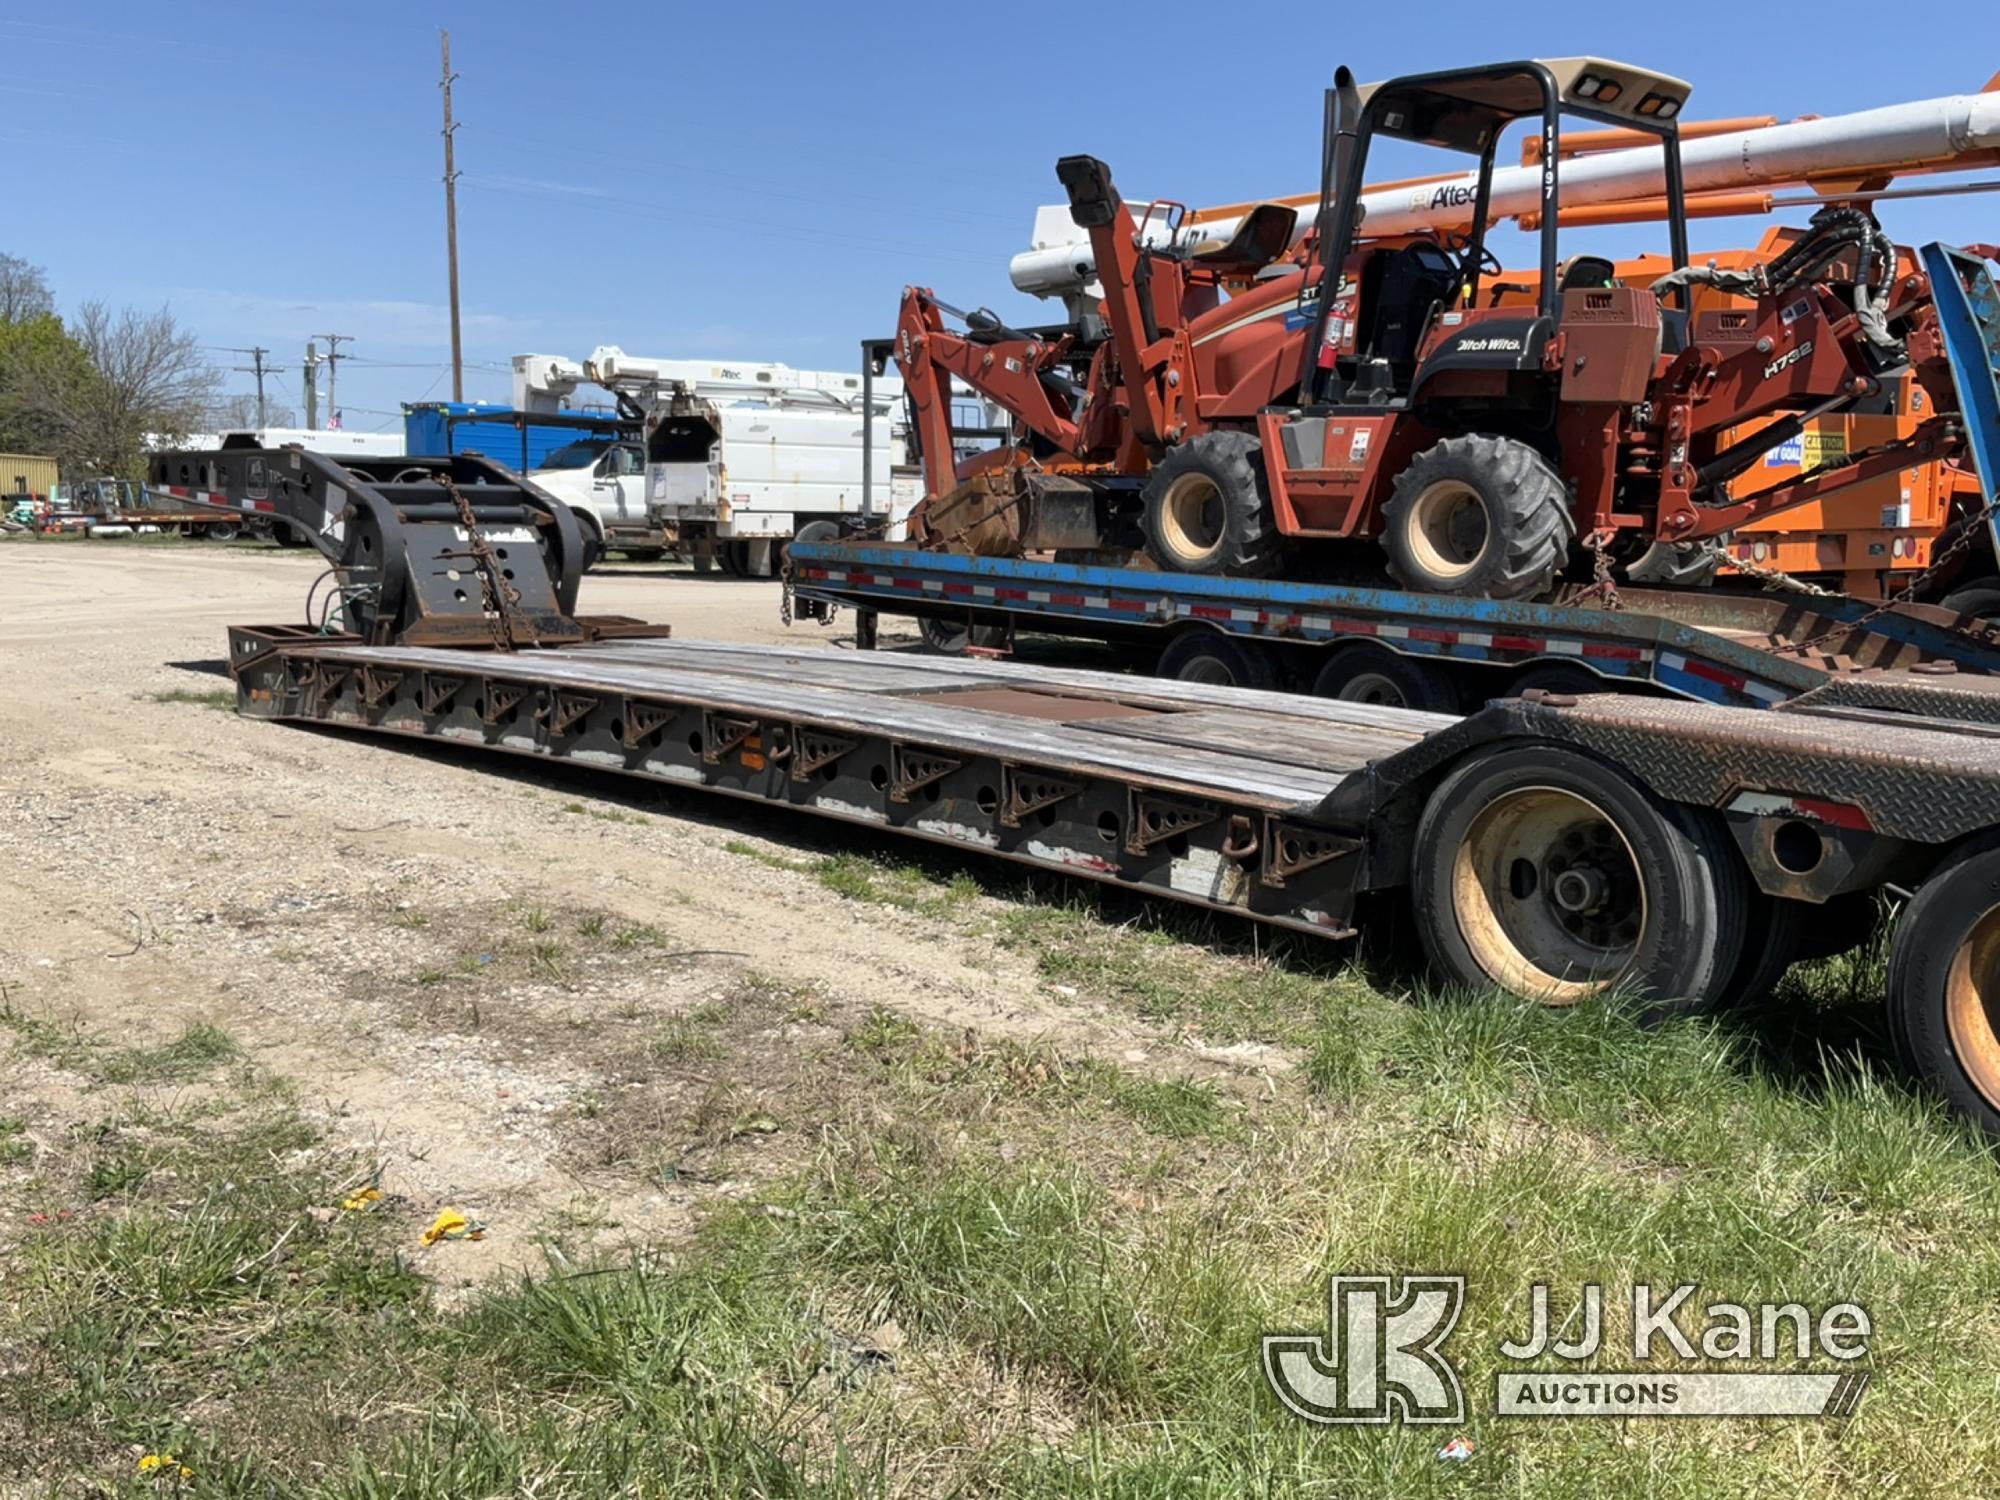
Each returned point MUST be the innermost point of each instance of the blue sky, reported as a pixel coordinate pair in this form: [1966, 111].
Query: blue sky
[730, 180]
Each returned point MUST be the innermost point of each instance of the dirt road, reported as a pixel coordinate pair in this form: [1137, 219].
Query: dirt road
[463, 963]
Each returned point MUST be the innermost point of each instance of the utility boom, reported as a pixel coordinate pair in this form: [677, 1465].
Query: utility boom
[1856, 152]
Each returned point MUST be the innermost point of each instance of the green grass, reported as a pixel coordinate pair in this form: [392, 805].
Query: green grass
[195, 1053]
[991, 1266]
[14, 1145]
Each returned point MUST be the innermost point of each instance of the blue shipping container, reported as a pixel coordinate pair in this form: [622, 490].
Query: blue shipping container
[435, 428]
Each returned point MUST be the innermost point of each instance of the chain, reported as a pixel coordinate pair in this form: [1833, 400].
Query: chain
[1777, 578]
[1602, 584]
[497, 596]
[1950, 552]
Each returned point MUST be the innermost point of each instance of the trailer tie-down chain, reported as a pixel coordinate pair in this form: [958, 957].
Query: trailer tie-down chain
[498, 596]
[1968, 532]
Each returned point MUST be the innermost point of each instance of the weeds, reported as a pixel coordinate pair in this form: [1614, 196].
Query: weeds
[223, 698]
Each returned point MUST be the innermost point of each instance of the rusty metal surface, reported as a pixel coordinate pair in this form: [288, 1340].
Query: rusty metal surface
[1930, 780]
[970, 769]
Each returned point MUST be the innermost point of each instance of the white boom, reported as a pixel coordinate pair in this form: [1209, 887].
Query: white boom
[543, 381]
[1943, 134]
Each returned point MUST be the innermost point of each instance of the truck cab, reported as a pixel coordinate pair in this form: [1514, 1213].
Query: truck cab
[603, 480]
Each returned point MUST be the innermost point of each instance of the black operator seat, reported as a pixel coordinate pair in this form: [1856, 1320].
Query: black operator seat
[1587, 273]
[1260, 237]
[1414, 281]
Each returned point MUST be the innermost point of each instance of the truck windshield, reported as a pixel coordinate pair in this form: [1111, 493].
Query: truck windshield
[580, 454]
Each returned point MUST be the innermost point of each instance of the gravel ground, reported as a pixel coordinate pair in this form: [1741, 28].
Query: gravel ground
[456, 960]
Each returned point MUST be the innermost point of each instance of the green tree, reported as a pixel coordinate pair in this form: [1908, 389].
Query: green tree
[95, 390]
[46, 376]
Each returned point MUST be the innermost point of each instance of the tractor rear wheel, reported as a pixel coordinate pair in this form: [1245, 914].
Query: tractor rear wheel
[1542, 871]
[1208, 510]
[1481, 516]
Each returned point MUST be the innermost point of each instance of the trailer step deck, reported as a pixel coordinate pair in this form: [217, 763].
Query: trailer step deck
[1207, 794]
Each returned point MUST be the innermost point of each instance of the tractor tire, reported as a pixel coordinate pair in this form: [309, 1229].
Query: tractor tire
[1674, 565]
[1484, 517]
[1944, 978]
[1207, 509]
[1209, 656]
[1544, 872]
[1368, 673]
[1979, 599]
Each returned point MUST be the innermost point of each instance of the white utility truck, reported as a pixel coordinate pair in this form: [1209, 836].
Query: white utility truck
[738, 458]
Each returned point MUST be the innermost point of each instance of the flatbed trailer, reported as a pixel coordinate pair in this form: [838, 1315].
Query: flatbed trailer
[1396, 647]
[1552, 846]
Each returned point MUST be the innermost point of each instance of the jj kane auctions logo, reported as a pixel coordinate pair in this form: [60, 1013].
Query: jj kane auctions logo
[1382, 1358]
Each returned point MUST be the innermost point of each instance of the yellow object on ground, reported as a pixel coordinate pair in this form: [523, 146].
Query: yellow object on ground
[450, 1224]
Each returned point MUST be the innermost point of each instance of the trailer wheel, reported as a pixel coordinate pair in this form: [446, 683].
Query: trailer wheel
[1944, 985]
[1207, 509]
[1214, 658]
[1980, 599]
[1774, 938]
[1557, 677]
[1481, 516]
[1542, 871]
[1367, 673]
[952, 637]
[593, 540]
[813, 532]
[223, 531]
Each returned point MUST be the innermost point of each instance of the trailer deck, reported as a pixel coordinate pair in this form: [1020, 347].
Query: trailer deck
[1750, 650]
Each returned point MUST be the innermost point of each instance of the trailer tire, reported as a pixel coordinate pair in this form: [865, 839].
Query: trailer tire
[1222, 661]
[812, 533]
[952, 637]
[222, 531]
[1944, 984]
[1774, 940]
[1556, 677]
[1980, 599]
[1368, 673]
[1542, 871]
[1485, 517]
[593, 540]
[1207, 509]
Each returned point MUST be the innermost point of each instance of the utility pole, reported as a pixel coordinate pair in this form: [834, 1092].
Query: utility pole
[258, 368]
[333, 359]
[451, 226]
[311, 384]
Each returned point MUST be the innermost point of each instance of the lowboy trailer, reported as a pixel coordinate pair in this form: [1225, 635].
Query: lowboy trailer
[1551, 846]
